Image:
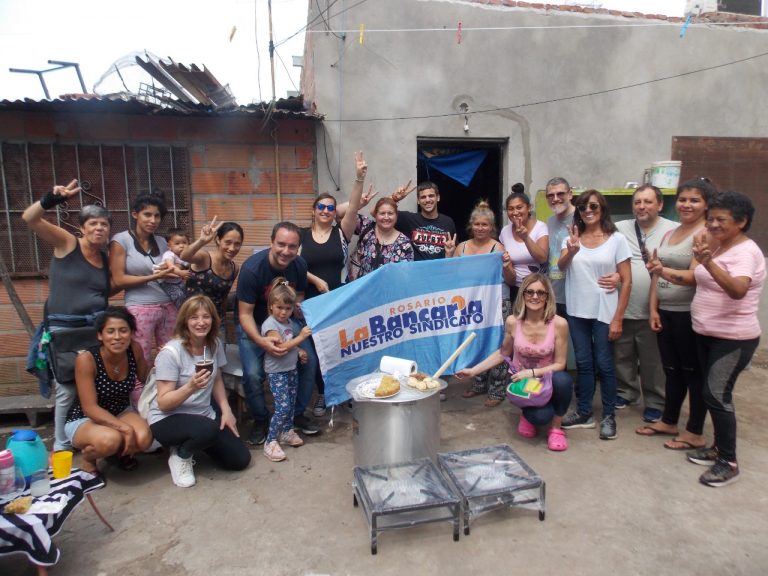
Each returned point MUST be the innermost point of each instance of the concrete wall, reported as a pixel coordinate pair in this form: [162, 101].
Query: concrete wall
[232, 175]
[598, 141]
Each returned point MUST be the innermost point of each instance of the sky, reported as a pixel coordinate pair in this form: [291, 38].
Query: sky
[229, 37]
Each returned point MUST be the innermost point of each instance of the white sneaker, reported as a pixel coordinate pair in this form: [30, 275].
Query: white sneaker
[181, 470]
[319, 408]
[291, 438]
[273, 451]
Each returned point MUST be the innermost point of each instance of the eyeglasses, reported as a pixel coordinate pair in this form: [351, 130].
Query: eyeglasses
[320, 207]
[556, 195]
[592, 206]
[538, 293]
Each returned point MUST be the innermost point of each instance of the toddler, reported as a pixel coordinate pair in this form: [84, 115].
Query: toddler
[178, 240]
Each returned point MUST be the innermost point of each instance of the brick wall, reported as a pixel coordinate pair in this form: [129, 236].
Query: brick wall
[233, 175]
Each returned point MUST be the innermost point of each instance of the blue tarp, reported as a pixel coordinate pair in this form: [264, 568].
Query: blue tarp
[461, 166]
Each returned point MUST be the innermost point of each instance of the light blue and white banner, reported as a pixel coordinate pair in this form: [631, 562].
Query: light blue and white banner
[420, 311]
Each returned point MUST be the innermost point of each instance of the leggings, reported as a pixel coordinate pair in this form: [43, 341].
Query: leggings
[284, 386]
[721, 362]
[195, 433]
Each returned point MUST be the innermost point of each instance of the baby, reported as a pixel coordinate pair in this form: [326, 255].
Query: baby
[178, 240]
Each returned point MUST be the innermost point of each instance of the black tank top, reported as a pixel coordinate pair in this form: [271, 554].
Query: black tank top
[112, 395]
[325, 260]
[76, 286]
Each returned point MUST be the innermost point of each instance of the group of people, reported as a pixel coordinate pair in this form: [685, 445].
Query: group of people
[656, 310]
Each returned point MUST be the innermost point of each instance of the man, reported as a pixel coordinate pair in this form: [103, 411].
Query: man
[559, 195]
[433, 235]
[256, 275]
[637, 344]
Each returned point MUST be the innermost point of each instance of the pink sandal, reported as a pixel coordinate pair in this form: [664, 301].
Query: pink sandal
[556, 441]
[525, 428]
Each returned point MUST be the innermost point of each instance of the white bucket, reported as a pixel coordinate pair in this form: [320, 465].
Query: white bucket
[666, 174]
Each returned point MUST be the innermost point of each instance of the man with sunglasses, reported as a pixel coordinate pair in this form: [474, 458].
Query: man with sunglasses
[638, 364]
[558, 194]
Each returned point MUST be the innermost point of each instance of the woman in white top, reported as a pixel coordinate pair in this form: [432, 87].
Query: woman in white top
[525, 239]
[595, 314]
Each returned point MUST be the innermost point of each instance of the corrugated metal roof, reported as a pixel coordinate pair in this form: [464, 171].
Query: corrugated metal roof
[121, 103]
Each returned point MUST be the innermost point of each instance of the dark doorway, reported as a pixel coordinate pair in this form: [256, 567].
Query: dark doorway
[456, 199]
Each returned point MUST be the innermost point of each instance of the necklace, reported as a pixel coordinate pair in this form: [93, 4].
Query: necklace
[110, 368]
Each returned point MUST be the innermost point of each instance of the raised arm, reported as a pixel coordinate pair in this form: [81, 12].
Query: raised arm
[192, 252]
[572, 246]
[735, 287]
[349, 219]
[62, 241]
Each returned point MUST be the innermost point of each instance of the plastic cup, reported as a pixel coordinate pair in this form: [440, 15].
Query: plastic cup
[39, 483]
[204, 365]
[62, 463]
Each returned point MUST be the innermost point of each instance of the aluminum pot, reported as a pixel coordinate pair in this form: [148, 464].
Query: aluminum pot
[393, 430]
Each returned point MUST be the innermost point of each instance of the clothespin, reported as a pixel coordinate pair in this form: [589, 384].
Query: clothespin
[458, 33]
[362, 34]
[686, 24]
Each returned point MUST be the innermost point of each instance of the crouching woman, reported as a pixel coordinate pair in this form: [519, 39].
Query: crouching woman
[101, 422]
[182, 417]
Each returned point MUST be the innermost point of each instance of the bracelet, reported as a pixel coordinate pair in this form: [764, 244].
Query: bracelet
[49, 200]
[361, 180]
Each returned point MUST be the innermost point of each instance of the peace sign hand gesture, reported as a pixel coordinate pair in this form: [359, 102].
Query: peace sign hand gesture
[654, 265]
[59, 195]
[368, 196]
[702, 251]
[361, 167]
[520, 228]
[573, 243]
[450, 245]
[403, 191]
[208, 231]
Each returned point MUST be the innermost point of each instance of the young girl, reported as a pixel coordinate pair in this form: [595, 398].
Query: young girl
[281, 370]
[178, 240]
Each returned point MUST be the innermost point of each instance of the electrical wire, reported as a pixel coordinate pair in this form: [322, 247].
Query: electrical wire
[327, 161]
[258, 52]
[286, 70]
[327, 24]
[315, 19]
[554, 100]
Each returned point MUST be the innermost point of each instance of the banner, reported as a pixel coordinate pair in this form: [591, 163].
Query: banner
[421, 311]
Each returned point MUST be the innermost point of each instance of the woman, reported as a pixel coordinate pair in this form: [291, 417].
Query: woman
[482, 231]
[379, 242]
[325, 249]
[672, 289]
[134, 260]
[729, 280]
[525, 239]
[78, 278]
[214, 273]
[182, 416]
[595, 314]
[537, 340]
[101, 422]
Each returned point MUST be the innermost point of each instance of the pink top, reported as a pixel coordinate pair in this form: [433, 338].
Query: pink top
[528, 355]
[714, 313]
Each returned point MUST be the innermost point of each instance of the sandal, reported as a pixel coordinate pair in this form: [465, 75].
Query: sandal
[492, 402]
[469, 393]
[525, 428]
[556, 441]
[127, 463]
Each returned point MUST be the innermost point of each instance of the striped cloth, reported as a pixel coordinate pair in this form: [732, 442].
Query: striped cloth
[31, 534]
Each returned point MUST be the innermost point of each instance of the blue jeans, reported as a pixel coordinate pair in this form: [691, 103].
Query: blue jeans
[590, 346]
[562, 390]
[252, 358]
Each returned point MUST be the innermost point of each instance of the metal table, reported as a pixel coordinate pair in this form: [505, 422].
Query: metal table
[492, 478]
[404, 495]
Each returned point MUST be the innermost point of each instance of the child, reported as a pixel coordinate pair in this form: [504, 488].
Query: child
[281, 370]
[178, 240]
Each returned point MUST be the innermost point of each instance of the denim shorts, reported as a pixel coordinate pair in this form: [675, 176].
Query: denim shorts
[70, 428]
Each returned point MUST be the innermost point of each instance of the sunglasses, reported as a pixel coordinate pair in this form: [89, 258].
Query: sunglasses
[320, 207]
[538, 293]
[592, 206]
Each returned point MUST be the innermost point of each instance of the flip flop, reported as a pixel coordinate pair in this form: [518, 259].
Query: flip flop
[651, 431]
[683, 445]
[469, 393]
[492, 402]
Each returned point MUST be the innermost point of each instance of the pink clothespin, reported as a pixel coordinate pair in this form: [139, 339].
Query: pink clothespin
[458, 33]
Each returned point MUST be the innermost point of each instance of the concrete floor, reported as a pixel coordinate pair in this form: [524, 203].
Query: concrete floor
[625, 507]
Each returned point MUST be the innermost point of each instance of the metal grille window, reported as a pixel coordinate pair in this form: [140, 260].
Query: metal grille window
[112, 176]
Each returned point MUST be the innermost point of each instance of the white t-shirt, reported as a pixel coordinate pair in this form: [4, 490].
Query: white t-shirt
[518, 251]
[583, 297]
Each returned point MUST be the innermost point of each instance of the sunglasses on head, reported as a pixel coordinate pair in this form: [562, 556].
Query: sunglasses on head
[538, 293]
[592, 206]
[330, 207]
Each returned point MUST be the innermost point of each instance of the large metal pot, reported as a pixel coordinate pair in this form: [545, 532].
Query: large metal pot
[397, 429]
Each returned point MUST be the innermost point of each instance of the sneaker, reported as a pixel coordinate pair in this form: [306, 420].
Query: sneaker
[651, 415]
[258, 435]
[181, 470]
[305, 426]
[720, 474]
[703, 456]
[576, 420]
[608, 427]
[621, 403]
[319, 408]
[273, 451]
[291, 438]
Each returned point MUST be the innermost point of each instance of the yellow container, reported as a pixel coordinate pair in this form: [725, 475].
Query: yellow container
[61, 462]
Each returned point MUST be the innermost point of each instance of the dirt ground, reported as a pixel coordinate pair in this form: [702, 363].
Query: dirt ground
[626, 507]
